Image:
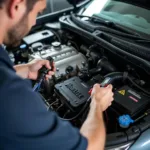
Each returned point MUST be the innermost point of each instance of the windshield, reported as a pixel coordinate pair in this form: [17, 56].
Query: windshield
[125, 14]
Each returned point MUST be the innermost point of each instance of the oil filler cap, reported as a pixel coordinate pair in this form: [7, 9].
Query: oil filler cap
[56, 45]
[125, 121]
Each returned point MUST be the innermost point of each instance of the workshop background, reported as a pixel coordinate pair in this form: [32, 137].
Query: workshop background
[56, 5]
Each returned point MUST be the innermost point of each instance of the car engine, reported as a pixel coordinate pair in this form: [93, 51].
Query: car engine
[81, 63]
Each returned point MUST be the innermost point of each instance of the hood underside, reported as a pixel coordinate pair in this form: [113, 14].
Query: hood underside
[141, 3]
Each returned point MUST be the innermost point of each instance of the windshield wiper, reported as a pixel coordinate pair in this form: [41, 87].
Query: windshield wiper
[143, 41]
[110, 24]
[92, 28]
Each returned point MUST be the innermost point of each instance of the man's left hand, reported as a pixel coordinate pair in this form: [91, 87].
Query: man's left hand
[31, 69]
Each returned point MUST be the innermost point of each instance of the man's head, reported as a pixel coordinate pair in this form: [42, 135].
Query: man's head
[18, 17]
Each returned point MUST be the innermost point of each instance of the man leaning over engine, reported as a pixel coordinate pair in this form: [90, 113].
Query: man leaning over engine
[25, 123]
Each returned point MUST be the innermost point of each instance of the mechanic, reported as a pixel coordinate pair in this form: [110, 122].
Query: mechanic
[25, 123]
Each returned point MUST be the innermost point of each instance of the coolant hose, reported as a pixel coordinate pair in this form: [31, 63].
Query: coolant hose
[115, 76]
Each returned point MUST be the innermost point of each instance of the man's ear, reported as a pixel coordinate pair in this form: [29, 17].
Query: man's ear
[16, 8]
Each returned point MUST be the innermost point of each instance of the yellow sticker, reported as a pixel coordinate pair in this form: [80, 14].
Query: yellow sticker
[122, 92]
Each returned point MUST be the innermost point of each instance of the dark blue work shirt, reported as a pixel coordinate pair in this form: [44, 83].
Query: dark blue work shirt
[25, 123]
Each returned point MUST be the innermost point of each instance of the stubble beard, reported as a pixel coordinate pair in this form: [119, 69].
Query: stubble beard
[17, 32]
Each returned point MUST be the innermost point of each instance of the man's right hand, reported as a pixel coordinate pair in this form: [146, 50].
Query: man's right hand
[102, 97]
[93, 128]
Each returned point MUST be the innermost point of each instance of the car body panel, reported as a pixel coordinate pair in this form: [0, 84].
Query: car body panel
[143, 143]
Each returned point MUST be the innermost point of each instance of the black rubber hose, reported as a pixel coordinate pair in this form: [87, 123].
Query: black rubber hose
[114, 77]
[133, 48]
[113, 74]
[104, 63]
[119, 75]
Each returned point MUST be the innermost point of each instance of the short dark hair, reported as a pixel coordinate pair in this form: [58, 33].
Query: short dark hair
[30, 4]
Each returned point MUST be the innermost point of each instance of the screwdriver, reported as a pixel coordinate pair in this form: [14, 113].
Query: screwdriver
[42, 73]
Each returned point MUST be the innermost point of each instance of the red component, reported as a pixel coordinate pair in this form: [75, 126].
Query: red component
[106, 85]
[90, 91]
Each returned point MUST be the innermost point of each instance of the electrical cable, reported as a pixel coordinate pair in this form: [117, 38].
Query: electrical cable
[84, 107]
[67, 112]
[59, 107]
[53, 103]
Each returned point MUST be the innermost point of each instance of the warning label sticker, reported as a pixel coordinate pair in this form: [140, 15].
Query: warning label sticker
[122, 92]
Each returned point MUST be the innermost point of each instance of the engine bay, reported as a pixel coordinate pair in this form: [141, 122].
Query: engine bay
[81, 63]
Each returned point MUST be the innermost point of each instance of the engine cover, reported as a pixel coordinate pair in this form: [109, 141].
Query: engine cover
[129, 101]
[73, 92]
[64, 56]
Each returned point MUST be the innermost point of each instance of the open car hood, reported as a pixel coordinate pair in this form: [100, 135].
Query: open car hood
[74, 2]
[141, 3]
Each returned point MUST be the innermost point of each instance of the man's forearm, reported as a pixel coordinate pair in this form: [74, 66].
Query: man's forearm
[93, 129]
[22, 70]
